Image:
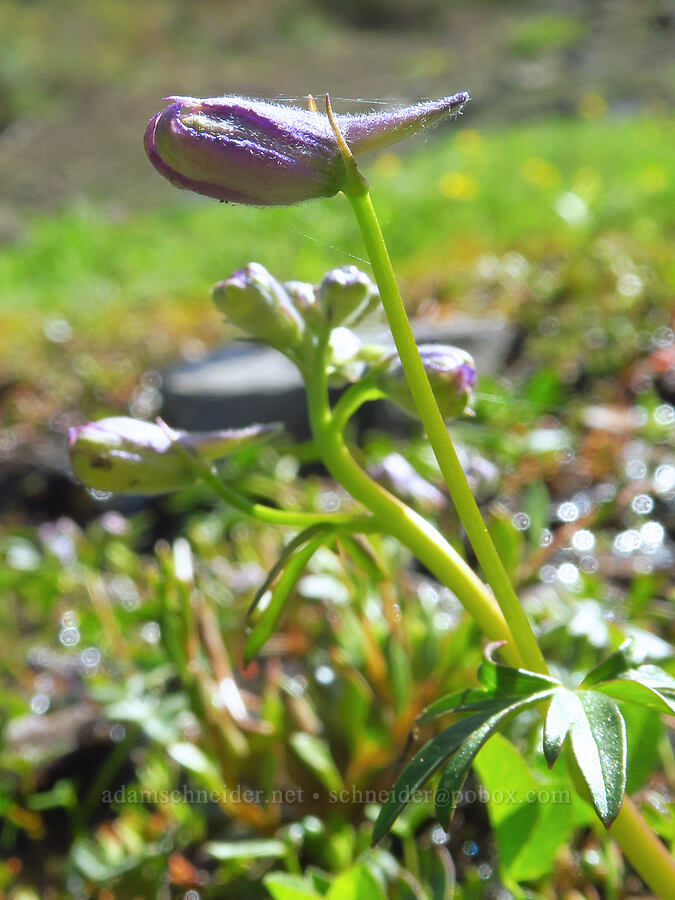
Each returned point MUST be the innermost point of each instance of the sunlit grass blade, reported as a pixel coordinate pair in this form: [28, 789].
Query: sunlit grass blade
[294, 544]
[268, 621]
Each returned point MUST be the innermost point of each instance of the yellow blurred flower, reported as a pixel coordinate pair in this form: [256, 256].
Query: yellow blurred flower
[587, 183]
[457, 186]
[388, 165]
[592, 106]
[540, 172]
[469, 142]
[653, 179]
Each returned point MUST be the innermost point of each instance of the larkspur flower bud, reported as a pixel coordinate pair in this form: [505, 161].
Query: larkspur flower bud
[451, 372]
[266, 154]
[255, 301]
[303, 298]
[343, 293]
[129, 456]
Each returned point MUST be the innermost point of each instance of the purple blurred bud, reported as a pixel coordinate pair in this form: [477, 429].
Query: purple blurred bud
[255, 301]
[451, 372]
[266, 154]
[343, 293]
[132, 457]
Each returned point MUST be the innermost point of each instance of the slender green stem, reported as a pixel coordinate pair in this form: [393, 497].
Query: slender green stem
[402, 522]
[439, 438]
[273, 516]
[648, 856]
[353, 398]
[639, 843]
[264, 513]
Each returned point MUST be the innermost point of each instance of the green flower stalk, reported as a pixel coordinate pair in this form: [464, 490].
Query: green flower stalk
[265, 154]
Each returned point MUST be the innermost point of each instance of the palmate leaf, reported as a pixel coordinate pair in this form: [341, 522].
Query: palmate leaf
[438, 750]
[509, 681]
[610, 668]
[635, 691]
[457, 769]
[597, 734]
[469, 699]
[618, 676]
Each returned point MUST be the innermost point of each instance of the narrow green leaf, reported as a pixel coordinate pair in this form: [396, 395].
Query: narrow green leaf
[294, 544]
[511, 682]
[255, 849]
[266, 625]
[357, 883]
[314, 752]
[597, 734]
[432, 756]
[561, 711]
[636, 692]
[193, 758]
[364, 558]
[460, 701]
[651, 676]
[423, 765]
[456, 771]
[283, 886]
[610, 668]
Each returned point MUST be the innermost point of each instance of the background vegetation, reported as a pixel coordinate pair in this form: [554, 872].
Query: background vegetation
[549, 204]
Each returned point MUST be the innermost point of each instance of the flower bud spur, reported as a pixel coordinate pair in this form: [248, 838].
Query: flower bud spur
[266, 154]
[255, 301]
[128, 456]
[451, 372]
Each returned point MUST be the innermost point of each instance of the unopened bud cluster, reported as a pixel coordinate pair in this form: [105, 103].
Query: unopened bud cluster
[292, 316]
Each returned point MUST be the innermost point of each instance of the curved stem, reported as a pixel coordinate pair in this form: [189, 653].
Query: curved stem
[439, 438]
[402, 522]
[648, 855]
[353, 398]
[295, 518]
[637, 840]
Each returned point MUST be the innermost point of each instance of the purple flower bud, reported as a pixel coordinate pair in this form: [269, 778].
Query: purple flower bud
[254, 301]
[451, 372]
[343, 293]
[266, 154]
[133, 457]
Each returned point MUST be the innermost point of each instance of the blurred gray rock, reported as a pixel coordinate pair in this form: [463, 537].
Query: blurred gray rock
[244, 382]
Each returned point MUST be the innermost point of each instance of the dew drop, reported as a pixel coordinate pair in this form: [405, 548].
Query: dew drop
[520, 521]
[642, 504]
[40, 704]
[69, 637]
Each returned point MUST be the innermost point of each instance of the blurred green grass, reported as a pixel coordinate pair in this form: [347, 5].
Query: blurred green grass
[495, 187]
